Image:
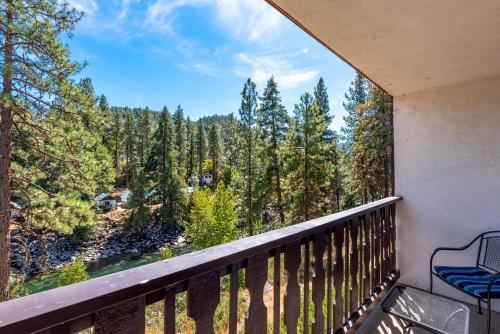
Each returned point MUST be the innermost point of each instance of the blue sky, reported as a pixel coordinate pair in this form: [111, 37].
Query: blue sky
[198, 53]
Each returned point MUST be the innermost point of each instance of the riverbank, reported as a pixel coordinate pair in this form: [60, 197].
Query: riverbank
[49, 250]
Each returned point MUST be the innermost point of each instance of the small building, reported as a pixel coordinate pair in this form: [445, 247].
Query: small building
[15, 210]
[205, 179]
[106, 201]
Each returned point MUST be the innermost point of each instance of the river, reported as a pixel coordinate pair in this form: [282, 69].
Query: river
[47, 280]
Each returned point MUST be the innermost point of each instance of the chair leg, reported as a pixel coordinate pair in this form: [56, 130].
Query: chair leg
[489, 316]
[480, 311]
[430, 287]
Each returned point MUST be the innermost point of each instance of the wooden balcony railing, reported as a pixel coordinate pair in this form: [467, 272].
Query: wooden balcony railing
[337, 262]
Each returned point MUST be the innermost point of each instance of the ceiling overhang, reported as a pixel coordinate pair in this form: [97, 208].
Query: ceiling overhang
[406, 46]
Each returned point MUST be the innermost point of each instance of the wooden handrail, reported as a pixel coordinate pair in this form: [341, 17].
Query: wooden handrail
[76, 305]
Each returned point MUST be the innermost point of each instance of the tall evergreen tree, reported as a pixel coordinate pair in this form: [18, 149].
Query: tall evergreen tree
[191, 148]
[129, 145]
[356, 96]
[144, 129]
[214, 148]
[306, 167]
[162, 168]
[180, 140]
[201, 144]
[44, 120]
[138, 218]
[248, 119]
[273, 123]
[116, 133]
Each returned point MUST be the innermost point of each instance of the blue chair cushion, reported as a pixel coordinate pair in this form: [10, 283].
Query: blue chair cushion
[470, 279]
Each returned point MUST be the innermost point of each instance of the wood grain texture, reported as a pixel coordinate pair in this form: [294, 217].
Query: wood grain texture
[292, 294]
[277, 291]
[354, 267]
[366, 257]
[307, 264]
[125, 318]
[346, 270]
[169, 320]
[378, 279]
[202, 301]
[339, 277]
[233, 299]
[318, 283]
[256, 277]
[329, 277]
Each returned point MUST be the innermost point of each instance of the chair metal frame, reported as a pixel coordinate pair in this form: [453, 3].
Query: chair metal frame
[482, 262]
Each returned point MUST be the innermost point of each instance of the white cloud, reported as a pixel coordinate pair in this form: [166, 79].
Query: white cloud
[249, 19]
[261, 68]
[89, 7]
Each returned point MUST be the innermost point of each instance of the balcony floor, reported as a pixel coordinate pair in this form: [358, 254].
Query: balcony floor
[379, 322]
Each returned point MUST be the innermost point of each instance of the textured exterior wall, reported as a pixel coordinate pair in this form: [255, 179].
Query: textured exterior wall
[447, 168]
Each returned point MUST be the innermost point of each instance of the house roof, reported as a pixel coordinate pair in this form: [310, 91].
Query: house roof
[101, 197]
[405, 45]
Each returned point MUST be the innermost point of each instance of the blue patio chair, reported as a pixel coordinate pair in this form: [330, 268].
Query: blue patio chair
[481, 281]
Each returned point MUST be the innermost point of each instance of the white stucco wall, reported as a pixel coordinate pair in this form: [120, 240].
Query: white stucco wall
[447, 168]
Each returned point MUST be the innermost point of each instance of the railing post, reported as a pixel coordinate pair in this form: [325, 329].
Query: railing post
[203, 299]
[318, 283]
[256, 277]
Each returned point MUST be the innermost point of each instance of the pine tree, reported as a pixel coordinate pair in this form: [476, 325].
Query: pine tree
[248, 119]
[191, 149]
[138, 218]
[356, 96]
[129, 145]
[214, 148]
[306, 166]
[162, 169]
[180, 140]
[116, 133]
[40, 106]
[201, 144]
[144, 135]
[273, 123]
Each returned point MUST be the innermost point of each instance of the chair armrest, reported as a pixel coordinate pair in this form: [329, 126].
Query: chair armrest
[454, 248]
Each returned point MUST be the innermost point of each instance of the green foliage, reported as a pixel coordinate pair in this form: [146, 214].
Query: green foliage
[139, 217]
[74, 272]
[215, 151]
[213, 218]
[307, 168]
[166, 253]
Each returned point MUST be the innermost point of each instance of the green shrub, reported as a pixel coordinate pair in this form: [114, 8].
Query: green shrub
[165, 253]
[73, 273]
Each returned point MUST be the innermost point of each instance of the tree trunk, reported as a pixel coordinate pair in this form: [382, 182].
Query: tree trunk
[5, 147]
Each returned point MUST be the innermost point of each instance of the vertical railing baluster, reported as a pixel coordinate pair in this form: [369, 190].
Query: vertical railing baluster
[277, 291]
[377, 248]
[347, 271]
[233, 299]
[373, 262]
[169, 318]
[366, 257]
[339, 276]
[329, 315]
[393, 236]
[292, 294]
[387, 243]
[318, 283]
[203, 297]
[126, 317]
[354, 266]
[307, 258]
[255, 280]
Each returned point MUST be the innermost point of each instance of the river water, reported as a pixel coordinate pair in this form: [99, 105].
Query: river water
[47, 280]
